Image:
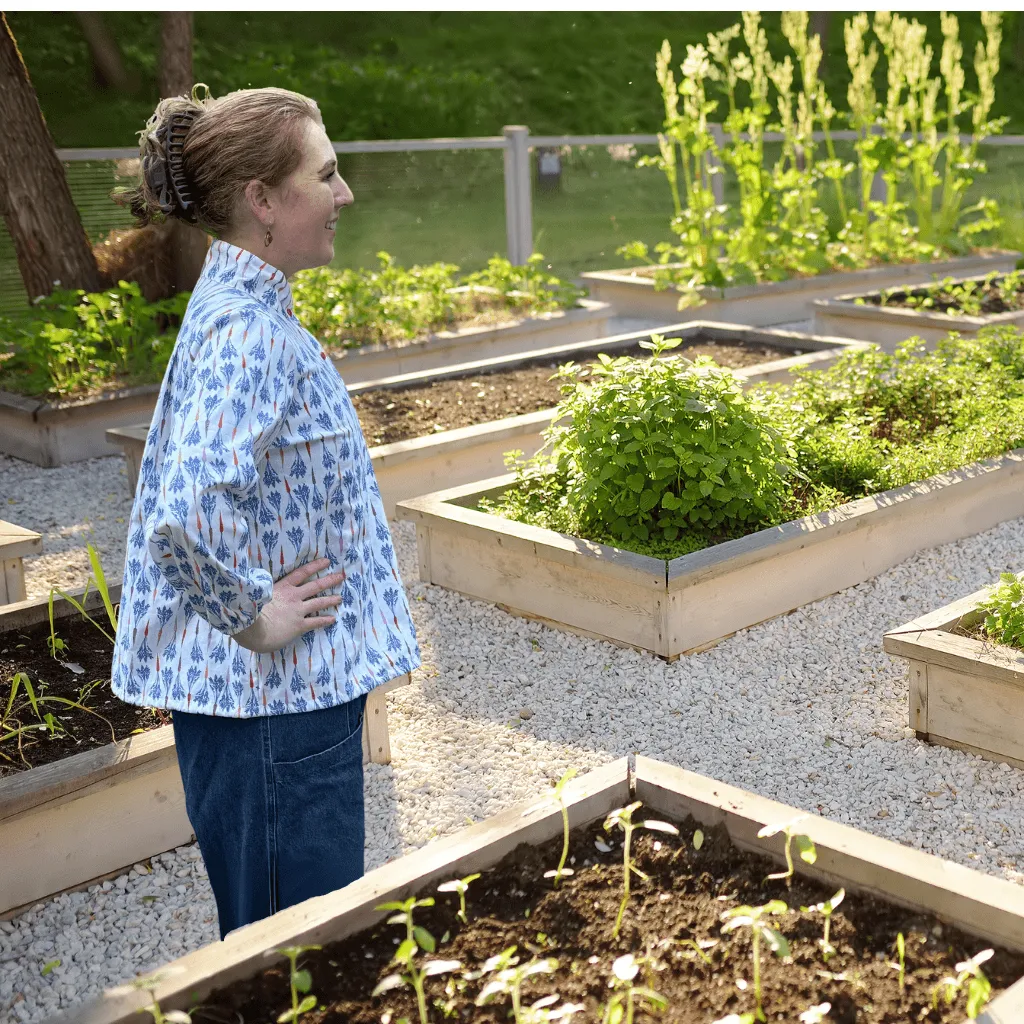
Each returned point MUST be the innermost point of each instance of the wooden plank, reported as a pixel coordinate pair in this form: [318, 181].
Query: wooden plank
[12, 580]
[980, 710]
[946, 616]
[988, 907]
[917, 678]
[18, 542]
[339, 914]
[962, 654]
[943, 741]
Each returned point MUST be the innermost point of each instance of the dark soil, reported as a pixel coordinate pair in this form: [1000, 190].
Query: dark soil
[27, 651]
[389, 415]
[992, 301]
[681, 905]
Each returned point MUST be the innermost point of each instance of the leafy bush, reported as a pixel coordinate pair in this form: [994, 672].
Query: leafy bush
[73, 341]
[1004, 611]
[349, 308]
[664, 457]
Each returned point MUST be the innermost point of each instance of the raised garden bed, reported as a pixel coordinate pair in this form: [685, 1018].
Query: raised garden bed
[887, 319]
[480, 406]
[15, 543]
[70, 819]
[964, 692]
[682, 605]
[673, 920]
[632, 292]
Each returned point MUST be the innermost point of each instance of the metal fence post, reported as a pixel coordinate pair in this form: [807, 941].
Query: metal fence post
[518, 200]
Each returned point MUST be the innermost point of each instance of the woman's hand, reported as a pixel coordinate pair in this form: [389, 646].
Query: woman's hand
[292, 609]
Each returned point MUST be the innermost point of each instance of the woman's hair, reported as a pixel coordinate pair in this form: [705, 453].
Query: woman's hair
[198, 154]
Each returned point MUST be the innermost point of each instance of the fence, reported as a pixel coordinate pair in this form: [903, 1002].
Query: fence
[576, 198]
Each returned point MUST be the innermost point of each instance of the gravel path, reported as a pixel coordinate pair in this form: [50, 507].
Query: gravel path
[805, 709]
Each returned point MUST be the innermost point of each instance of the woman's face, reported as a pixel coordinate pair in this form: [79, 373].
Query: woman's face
[306, 206]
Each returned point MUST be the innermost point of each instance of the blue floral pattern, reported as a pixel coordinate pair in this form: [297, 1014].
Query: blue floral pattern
[255, 463]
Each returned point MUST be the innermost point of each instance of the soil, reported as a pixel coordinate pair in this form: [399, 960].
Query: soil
[26, 650]
[992, 301]
[680, 906]
[388, 415]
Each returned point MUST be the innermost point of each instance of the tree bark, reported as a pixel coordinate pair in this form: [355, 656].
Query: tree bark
[35, 201]
[187, 244]
[108, 68]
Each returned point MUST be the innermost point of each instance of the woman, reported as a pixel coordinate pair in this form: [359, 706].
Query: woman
[261, 598]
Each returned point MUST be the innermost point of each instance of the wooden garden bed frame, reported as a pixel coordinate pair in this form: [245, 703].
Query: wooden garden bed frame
[963, 693]
[778, 302]
[15, 543]
[419, 465]
[990, 908]
[89, 815]
[684, 605]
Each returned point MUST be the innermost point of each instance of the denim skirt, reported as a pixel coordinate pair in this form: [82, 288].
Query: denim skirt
[276, 804]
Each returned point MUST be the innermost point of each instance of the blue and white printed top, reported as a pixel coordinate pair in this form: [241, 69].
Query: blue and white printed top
[255, 464]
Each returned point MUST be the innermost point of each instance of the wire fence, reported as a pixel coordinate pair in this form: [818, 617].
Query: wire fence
[574, 198]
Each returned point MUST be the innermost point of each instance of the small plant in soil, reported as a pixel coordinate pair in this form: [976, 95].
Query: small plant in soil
[508, 979]
[757, 919]
[901, 956]
[148, 983]
[1003, 611]
[562, 871]
[623, 818]
[460, 886]
[826, 909]
[627, 996]
[417, 939]
[969, 975]
[299, 983]
[804, 846]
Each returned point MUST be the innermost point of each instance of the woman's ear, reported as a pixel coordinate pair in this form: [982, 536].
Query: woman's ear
[259, 203]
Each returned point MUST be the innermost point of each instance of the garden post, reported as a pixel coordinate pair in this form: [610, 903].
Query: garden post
[518, 207]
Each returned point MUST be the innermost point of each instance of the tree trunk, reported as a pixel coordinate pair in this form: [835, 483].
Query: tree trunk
[188, 244]
[35, 201]
[107, 66]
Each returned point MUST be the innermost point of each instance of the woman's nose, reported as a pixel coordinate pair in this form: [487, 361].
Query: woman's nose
[343, 196]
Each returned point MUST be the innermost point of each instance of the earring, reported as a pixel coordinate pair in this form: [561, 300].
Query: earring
[268, 237]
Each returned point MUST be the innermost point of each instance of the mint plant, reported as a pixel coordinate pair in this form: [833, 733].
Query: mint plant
[299, 983]
[757, 919]
[622, 818]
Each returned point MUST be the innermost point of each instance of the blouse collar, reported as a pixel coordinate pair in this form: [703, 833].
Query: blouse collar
[227, 264]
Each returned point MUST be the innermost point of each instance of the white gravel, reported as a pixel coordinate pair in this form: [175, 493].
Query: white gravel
[805, 709]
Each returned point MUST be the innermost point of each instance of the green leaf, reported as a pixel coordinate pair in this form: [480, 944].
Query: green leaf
[407, 949]
[635, 481]
[392, 981]
[49, 966]
[806, 848]
[302, 980]
[424, 939]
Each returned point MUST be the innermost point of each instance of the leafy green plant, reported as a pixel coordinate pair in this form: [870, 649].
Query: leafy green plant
[1003, 611]
[562, 871]
[98, 579]
[627, 996]
[826, 908]
[460, 886]
[417, 939]
[508, 977]
[756, 920]
[804, 846]
[622, 818]
[148, 983]
[299, 983]
[969, 975]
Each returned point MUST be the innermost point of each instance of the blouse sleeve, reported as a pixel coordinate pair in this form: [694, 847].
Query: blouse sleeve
[203, 532]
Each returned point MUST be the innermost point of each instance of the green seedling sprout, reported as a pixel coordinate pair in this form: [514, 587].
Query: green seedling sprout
[459, 885]
[901, 954]
[100, 580]
[508, 980]
[623, 818]
[562, 870]
[756, 919]
[808, 853]
[416, 938]
[826, 909]
[300, 982]
[622, 1005]
[969, 973]
[148, 983]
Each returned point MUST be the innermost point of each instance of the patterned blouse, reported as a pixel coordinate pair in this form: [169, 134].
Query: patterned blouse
[255, 464]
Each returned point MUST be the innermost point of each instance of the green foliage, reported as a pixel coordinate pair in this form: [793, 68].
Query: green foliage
[73, 341]
[1004, 611]
[350, 308]
[757, 920]
[299, 983]
[971, 977]
[998, 292]
[779, 227]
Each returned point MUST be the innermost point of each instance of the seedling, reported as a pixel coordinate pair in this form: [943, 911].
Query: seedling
[416, 938]
[901, 953]
[300, 982]
[459, 885]
[756, 919]
[148, 983]
[808, 853]
[969, 973]
[623, 818]
[815, 1014]
[100, 580]
[562, 870]
[627, 996]
[508, 980]
[825, 909]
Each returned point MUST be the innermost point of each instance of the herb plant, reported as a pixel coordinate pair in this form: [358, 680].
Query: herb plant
[299, 983]
[623, 818]
[1003, 611]
[757, 919]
